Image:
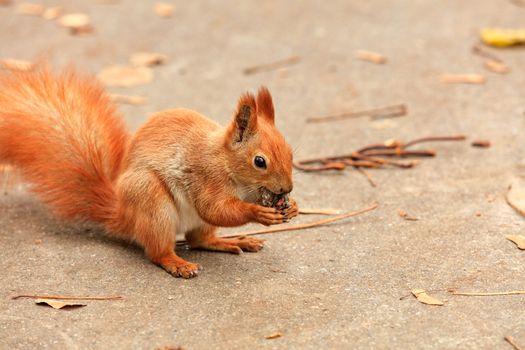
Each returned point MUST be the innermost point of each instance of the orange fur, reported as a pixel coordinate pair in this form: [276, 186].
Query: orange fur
[181, 172]
[67, 139]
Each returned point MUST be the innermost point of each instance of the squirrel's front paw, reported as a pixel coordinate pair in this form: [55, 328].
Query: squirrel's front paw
[292, 210]
[270, 216]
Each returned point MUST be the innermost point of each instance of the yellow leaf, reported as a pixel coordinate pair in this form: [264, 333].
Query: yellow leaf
[503, 37]
[519, 240]
[424, 298]
[57, 304]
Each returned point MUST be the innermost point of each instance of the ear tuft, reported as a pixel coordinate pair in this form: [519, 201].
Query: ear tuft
[245, 121]
[265, 104]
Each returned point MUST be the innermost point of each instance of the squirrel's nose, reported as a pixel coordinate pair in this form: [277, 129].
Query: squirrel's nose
[287, 189]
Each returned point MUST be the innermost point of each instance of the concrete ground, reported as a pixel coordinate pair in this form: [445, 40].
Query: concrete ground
[332, 287]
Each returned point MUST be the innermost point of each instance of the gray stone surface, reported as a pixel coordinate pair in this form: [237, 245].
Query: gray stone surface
[336, 287]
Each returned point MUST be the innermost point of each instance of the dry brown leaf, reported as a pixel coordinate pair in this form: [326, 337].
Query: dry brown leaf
[15, 64]
[57, 304]
[164, 9]
[129, 99]
[125, 76]
[52, 13]
[496, 66]
[519, 240]
[274, 335]
[76, 22]
[424, 298]
[29, 9]
[370, 56]
[147, 59]
[462, 78]
[405, 215]
[516, 198]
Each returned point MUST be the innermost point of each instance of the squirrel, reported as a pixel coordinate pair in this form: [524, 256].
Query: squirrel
[179, 173]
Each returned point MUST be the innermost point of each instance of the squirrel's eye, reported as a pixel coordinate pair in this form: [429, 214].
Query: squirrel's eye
[259, 162]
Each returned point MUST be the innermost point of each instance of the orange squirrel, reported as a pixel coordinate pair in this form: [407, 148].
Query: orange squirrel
[181, 172]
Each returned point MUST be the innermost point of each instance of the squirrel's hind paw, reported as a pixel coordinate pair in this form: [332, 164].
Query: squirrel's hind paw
[230, 245]
[177, 266]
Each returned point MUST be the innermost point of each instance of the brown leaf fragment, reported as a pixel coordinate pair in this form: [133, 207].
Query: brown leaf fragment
[29, 9]
[129, 99]
[424, 298]
[77, 23]
[480, 143]
[496, 66]
[52, 13]
[370, 56]
[519, 240]
[147, 59]
[16, 64]
[405, 215]
[274, 335]
[462, 78]
[125, 76]
[164, 9]
[516, 198]
[57, 304]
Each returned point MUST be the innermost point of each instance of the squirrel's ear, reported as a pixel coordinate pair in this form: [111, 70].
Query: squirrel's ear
[265, 104]
[245, 121]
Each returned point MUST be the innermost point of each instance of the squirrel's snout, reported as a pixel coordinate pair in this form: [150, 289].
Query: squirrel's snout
[286, 189]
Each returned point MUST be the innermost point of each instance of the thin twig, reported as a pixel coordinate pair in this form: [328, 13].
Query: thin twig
[375, 155]
[377, 113]
[459, 137]
[481, 294]
[296, 227]
[326, 166]
[320, 211]
[511, 341]
[271, 66]
[480, 51]
[400, 153]
[367, 175]
[65, 297]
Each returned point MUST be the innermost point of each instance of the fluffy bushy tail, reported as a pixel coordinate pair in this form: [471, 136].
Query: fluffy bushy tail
[65, 136]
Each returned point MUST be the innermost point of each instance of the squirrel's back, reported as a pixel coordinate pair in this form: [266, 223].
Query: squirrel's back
[64, 135]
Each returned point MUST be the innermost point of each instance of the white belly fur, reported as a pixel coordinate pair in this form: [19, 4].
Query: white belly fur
[187, 217]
